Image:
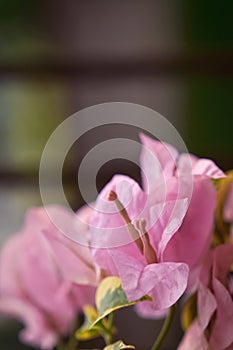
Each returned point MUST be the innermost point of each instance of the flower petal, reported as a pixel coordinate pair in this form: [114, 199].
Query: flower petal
[170, 218]
[37, 331]
[200, 166]
[194, 339]
[221, 334]
[206, 306]
[164, 282]
[10, 281]
[146, 311]
[157, 161]
[164, 152]
[222, 262]
[191, 241]
[208, 168]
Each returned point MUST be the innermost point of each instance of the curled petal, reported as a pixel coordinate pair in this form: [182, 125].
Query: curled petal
[157, 161]
[200, 166]
[165, 153]
[164, 282]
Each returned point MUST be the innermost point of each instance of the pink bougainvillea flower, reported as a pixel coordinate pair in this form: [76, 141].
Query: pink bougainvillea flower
[45, 278]
[177, 204]
[130, 231]
[212, 328]
[183, 176]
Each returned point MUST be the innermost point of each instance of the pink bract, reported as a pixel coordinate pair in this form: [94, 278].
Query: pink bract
[164, 280]
[183, 176]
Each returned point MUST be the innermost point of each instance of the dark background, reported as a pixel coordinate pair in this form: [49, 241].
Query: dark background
[57, 57]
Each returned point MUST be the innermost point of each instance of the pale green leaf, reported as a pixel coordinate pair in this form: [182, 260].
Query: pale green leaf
[119, 345]
[110, 297]
[85, 332]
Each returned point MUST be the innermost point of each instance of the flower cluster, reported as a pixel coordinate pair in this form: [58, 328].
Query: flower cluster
[173, 235]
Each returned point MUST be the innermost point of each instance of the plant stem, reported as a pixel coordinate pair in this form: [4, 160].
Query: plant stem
[109, 330]
[110, 320]
[60, 345]
[165, 328]
[72, 344]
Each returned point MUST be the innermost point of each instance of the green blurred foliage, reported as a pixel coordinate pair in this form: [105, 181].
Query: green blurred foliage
[21, 30]
[24, 12]
[208, 24]
[210, 122]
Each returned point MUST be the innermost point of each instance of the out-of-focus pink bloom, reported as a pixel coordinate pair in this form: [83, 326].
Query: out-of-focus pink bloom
[183, 176]
[45, 278]
[212, 329]
[129, 236]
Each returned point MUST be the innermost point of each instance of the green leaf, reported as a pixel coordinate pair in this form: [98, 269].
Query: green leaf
[85, 332]
[110, 297]
[119, 345]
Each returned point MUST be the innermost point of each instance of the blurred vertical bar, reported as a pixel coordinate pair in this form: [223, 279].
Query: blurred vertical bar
[30, 109]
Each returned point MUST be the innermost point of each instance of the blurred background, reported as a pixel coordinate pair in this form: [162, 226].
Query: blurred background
[57, 57]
